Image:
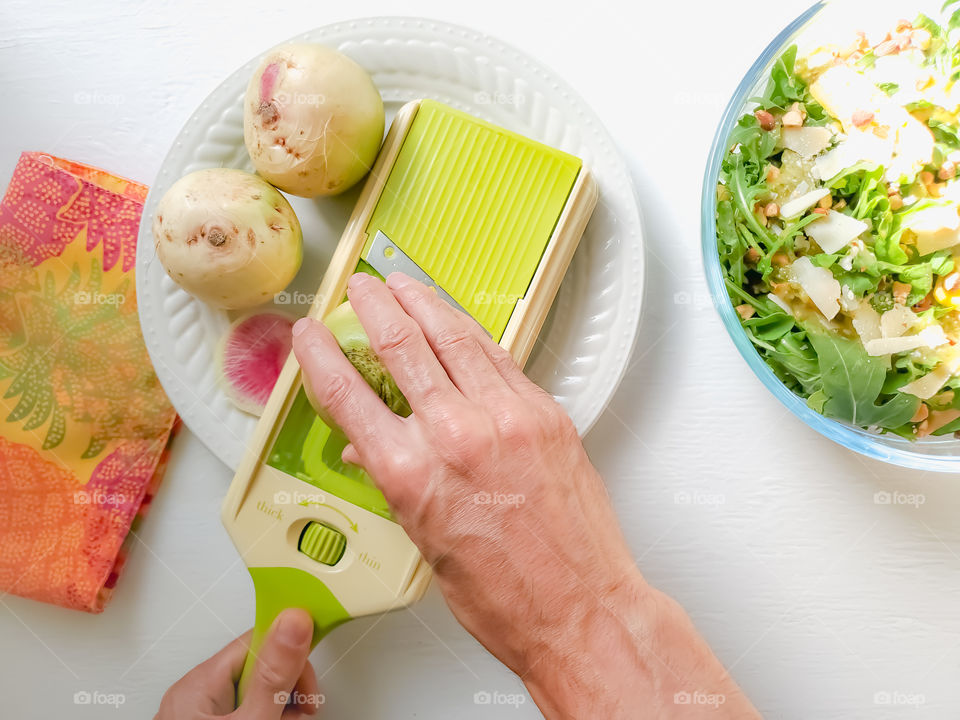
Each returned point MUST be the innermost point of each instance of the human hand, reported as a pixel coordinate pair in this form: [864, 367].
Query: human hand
[489, 478]
[282, 671]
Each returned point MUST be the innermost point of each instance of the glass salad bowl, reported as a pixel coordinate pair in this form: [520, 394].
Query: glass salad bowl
[933, 453]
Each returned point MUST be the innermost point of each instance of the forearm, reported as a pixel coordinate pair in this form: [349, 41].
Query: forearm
[633, 654]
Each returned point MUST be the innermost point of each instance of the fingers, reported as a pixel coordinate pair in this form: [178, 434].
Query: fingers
[453, 338]
[334, 385]
[229, 661]
[400, 343]
[306, 695]
[350, 455]
[411, 293]
[279, 666]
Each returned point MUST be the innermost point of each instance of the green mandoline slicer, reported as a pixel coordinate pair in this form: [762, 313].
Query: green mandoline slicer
[491, 220]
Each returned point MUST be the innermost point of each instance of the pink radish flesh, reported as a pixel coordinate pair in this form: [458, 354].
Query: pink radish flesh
[253, 352]
[268, 81]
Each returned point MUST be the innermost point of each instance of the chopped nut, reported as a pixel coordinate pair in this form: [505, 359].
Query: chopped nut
[896, 202]
[765, 119]
[781, 259]
[947, 172]
[926, 177]
[752, 256]
[862, 118]
[826, 202]
[747, 311]
[841, 204]
[903, 24]
[771, 210]
[773, 173]
[820, 211]
[887, 47]
[903, 40]
[900, 292]
[792, 118]
[921, 414]
[924, 304]
[923, 429]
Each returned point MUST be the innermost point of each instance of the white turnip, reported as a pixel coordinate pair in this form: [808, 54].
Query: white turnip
[227, 237]
[312, 120]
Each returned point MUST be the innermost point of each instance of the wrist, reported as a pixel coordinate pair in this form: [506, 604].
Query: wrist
[633, 651]
[586, 668]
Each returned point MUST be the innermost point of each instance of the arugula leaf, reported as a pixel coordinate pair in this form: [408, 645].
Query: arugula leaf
[784, 87]
[945, 133]
[796, 367]
[852, 382]
[770, 327]
[745, 196]
[920, 279]
[927, 23]
[954, 425]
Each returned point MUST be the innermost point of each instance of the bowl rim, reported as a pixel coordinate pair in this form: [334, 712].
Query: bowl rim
[856, 439]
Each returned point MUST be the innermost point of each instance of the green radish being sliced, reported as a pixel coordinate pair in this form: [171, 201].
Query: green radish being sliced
[352, 339]
[252, 354]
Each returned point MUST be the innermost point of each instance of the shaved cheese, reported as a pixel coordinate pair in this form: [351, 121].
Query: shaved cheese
[931, 383]
[853, 251]
[806, 141]
[866, 321]
[936, 227]
[798, 206]
[835, 230]
[848, 301]
[819, 285]
[859, 146]
[779, 302]
[932, 336]
[896, 321]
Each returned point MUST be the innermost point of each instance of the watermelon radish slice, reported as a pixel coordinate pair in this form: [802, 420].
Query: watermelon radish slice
[252, 353]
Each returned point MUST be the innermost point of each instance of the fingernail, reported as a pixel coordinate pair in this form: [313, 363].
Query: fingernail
[301, 325]
[358, 279]
[398, 280]
[291, 628]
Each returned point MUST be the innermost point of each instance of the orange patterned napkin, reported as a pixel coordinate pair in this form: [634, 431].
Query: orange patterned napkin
[84, 423]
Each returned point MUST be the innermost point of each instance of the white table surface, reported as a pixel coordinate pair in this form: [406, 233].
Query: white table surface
[819, 599]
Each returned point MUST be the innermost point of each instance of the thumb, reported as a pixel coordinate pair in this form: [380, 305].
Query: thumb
[279, 665]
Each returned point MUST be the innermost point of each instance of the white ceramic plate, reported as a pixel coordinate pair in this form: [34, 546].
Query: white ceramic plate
[587, 340]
